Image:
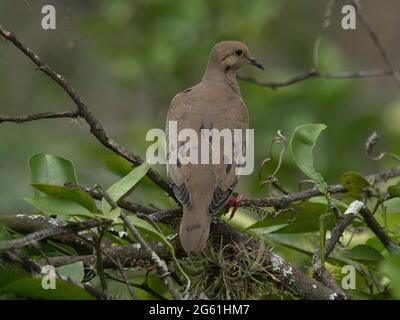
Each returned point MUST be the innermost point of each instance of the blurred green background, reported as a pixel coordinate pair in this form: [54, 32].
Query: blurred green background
[127, 59]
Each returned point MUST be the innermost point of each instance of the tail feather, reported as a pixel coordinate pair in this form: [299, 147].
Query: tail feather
[194, 229]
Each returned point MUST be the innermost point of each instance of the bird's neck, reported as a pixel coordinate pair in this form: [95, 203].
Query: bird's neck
[226, 76]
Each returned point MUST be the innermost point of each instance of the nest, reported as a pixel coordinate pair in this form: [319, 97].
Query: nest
[230, 271]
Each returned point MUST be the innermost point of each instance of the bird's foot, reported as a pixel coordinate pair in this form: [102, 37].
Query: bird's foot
[233, 204]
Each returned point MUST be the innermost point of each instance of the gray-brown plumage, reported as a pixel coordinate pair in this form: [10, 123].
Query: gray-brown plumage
[214, 103]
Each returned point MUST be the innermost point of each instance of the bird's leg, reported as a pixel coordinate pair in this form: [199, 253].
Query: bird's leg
[233, 204]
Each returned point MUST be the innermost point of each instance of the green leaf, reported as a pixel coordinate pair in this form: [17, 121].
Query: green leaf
[74, 194]
[126, 185]
[147, 229]
[154, 282]
[117, 165]
[114, 214]
[286, 240]
[116, 239]
[354, 183]
[306, 246]
[375, 243]
[4, 234]
[62, 248]
[50, 205]
[392, 219]
[32, 288]
[302, 144]
[11, 273]
[364, 253]
[306, 219]
[119, 291]
[74, 271]
[322, 237]
[394, 190]
[390, 267]
[50, 169]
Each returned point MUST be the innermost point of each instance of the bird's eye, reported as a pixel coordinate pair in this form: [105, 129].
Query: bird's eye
[238, 52]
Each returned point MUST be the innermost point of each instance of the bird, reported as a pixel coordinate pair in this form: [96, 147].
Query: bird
[214, 103]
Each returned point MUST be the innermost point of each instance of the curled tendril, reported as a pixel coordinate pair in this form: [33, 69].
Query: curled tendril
[279, 212]
[295, 215]
[303, 182]
[262, 212]
[370, 145]
[328, 14]
[278, 139]
[326, 23]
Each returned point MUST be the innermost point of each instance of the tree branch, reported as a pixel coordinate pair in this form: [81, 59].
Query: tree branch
[291, 279]
[39, 116]
[83, 111]
[32, 266]
[136, 255]
[373, 35]
[131, 256]
[320, 273]
[159, 264]
[51, 232]
[371, 222]
[316, 74]
[310, 193]
[284, 273]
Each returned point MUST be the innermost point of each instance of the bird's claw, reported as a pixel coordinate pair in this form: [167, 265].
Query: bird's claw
[233, 204]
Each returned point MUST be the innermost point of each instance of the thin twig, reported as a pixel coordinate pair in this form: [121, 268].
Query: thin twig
[320, 273]
[160, 264]
[370, 145]
[127, 205]
[298, 283]
[272, 179]
[371, 222]
[310, 193]
[282, 272]
[120, 267]
[32, 266]
[129, 255]
[142, 286]
[373, 35]
[40, 116]
[99, 259]
[326, 23]
[50, 232]
[83, 111]
[316, 74]
[135, 255]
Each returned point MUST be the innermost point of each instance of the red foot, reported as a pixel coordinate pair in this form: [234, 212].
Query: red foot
[233, 203]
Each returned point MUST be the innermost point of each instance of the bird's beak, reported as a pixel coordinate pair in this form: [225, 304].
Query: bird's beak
[254, 62]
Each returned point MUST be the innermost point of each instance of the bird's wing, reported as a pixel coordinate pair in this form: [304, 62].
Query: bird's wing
[195, 109]
[234, 117]
[178, 175]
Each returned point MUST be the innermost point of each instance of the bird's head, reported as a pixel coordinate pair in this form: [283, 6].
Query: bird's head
[231, 55]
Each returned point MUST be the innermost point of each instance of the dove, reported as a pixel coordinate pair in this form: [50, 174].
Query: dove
[203, 189]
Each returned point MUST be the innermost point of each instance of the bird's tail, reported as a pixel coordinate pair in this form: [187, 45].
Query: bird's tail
[195, 228]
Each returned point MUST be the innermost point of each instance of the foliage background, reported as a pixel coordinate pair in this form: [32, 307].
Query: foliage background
[128, 58]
